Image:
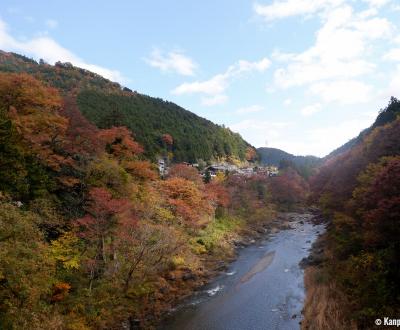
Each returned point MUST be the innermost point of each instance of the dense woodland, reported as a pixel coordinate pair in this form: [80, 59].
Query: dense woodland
[194, 138]
[90, 236]
[359, 189]
[108, 104]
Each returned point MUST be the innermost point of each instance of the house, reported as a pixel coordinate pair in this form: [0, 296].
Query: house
[222, 167]
[162, 166]
[247, 171]
[272, 171]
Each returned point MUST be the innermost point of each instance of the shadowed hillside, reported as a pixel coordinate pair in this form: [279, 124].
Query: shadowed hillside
[359, 190]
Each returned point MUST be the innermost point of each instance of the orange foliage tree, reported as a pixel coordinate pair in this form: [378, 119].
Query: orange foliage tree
[251, 154]
[141, 170]
[217, 194]
[186, 200]
[119, 142]
[167, 139]
[99, 224]
[377, 201]
[82, 136]
[288, 188]
[186, 172]
[33, 108]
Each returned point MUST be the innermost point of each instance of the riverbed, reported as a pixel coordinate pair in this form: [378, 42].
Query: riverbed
[262, 289]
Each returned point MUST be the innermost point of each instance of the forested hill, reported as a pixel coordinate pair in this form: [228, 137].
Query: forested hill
[273, 156]
[278, 157]
[108, 104]
[360, 190]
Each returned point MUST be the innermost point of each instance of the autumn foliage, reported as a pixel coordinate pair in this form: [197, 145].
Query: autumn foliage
[102, 212]
[186, 172]
[289, 188]
[32, 108]
[119, 142]
[186, 201]
[360, 190]
[90, 235]
[251, 154]
[88, 229]
[167, 139]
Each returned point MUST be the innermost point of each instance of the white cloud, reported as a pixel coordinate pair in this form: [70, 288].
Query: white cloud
[214, 100]
[375, 28]
[368, 13]
[270, 90]
[343, 91]
[213, 86]
[250, 109]
[287, 102]
[394, 85]
[392, 55]
[332, 137]
[338, 67]
[51, 23]
[279, 56]
[245, 66]
[377, 3]
[339, 51]
[311, 109]
[220, 82]
[174, 61]
[283, 9]
[299, 74]
[343, 51]
[320, 141]
[49, 50]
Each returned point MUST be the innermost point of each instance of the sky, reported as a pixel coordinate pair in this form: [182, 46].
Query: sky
[304, 76]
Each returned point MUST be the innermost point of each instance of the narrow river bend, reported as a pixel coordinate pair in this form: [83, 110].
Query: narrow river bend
[262, 289]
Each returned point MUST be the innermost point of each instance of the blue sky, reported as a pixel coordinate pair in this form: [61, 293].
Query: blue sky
[301, 75]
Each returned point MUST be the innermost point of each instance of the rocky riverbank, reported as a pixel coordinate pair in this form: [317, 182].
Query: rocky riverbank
[267, 265]
[179, 284]
[317, 251]
[324, 304]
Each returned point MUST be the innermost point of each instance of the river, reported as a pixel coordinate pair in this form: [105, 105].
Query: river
[262, 289]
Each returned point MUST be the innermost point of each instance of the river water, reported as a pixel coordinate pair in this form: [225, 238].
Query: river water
[262, 289]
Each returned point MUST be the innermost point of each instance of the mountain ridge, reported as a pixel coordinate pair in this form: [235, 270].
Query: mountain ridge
[108, 104]
[305, 165]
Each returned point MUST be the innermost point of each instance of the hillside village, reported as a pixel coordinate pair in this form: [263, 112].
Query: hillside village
[220, 167]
